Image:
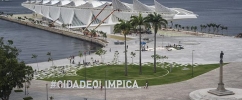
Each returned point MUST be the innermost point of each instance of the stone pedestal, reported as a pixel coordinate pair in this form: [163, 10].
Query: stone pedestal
[203, 94]
[221, 91]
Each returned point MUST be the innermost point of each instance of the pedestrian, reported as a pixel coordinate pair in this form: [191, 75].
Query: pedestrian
[127, 46]
[147, 46]
[70, 60]
[146, 85]
[60, 85]
[101, 87]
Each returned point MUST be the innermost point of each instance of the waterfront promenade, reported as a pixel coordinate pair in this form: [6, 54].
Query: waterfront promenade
[57, 30]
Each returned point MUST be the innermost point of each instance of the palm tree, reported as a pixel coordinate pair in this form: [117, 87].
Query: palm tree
[201, 26]
[35, 57]
[50, 58]
[133, 55]
[187, 28]
[176, 25]
[157, 21]
[93, 33]
[226, 28]
[209, 25]
[214, 27]
[138, 21]
[171, 25]
[217, 27]
[124, 27]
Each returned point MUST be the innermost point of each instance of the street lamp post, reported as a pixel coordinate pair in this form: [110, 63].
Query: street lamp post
[105, 85]
[192, 62]
[25, 87]
[85, 68]
[47, 91]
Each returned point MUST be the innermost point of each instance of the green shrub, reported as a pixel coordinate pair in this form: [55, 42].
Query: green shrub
[18, 90]
[28, 98]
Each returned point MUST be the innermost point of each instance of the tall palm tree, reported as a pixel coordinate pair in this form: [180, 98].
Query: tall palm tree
[50, 57]
[201, 26]
[171, 25]
[138, 21]
[35, 57]
[157, 21]
[124, 27]
[209, 25]
[217, 27]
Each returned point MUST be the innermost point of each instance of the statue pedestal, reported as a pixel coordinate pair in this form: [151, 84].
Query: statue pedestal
[203, 94]
[221, 91]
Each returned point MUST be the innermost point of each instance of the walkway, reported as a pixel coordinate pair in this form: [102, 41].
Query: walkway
[175, 91]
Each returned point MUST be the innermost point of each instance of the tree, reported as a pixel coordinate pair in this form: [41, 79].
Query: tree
[201, 26]
[12, 72]
[176, 25]
[35, 57]
[50, 57]
[138, 21]
[157, 21]
[217, 27]
[124, 27]
[160, 57]
[115, 58]
[209, 25]
[100, 52]
[132, 55]
[187, 27]
[93, 33]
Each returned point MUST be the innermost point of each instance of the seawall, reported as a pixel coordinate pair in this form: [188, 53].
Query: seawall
[57, 31]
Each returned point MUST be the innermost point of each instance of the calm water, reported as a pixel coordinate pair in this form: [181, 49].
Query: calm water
[35, 41]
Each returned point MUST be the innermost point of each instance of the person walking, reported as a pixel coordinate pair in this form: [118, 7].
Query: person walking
[146, 85]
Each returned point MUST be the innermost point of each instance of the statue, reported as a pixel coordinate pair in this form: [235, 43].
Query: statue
[221, 55]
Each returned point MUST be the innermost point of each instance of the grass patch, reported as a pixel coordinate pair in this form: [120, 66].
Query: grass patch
[18, 90]
[116, 72]
[118, 37]
[28, 98]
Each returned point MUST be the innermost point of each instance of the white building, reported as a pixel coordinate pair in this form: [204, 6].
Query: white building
[79, 13]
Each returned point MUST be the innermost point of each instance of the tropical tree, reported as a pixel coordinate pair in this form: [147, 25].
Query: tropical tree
[171, 25]
[34, 56]
[132, 55]
[209, 25]
[93, 32]
[217, 27]
[195, 28]
[160, 57]
[124, 27]
[50, 57]
[100, 52]
[187, 27]
[139, 21]
[176, 25]
[201, 26]
[157, 21]
[13, 73]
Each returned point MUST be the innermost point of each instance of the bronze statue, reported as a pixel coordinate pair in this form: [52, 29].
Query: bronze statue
[221, 55]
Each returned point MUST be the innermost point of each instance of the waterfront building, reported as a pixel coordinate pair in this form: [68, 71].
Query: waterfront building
[80, 13]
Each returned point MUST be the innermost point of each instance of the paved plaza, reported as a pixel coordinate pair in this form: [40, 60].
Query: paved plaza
[207, 50]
